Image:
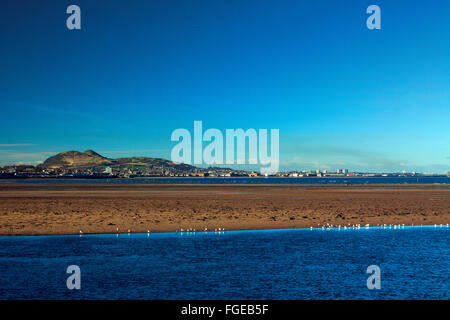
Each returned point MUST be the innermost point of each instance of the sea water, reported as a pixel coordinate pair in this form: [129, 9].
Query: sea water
[442, 181]
[275, 264]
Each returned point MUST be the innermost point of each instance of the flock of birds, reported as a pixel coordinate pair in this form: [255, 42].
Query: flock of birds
[326, 226]
[181, 231]
[367, 226]
[193, 231]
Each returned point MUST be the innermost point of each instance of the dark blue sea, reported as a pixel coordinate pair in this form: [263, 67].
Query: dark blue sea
[259, 180]
[275, 264]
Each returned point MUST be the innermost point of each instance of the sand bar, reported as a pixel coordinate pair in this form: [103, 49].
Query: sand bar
[66, 208]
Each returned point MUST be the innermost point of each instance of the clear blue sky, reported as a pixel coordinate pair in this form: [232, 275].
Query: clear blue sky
[342, 96]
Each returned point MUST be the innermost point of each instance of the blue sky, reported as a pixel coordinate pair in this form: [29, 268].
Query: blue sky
[341, 95]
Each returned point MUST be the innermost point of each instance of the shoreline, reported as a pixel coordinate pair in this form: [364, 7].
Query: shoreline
[202, 232]
[101, 208]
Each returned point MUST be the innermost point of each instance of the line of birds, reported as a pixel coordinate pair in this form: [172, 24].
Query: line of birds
[118, 231]
[192, 230]
[326, 226]
[357, 226]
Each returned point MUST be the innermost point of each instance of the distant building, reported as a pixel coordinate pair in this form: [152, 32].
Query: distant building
[108, 170]
[345, 171]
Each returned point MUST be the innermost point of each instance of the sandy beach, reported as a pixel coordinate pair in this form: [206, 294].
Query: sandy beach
[66, 208]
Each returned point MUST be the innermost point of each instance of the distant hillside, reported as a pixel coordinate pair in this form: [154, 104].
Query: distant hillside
[91, 159]
[149, 163]
[76, 159]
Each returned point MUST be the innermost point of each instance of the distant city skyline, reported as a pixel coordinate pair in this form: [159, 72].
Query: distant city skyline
[342, 96]
[245, 167]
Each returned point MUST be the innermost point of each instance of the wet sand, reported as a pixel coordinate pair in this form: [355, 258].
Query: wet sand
[66, 208]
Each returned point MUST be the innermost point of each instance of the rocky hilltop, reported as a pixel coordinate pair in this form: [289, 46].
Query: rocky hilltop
[76, 159]
[92, 160]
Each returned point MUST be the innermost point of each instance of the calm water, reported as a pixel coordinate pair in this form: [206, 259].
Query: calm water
[274, 264]
[243, 180]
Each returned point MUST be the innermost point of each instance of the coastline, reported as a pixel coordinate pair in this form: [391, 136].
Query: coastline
[212, 232]
[100, 208]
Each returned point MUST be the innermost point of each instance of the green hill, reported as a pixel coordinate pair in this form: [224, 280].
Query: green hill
[91, 159]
